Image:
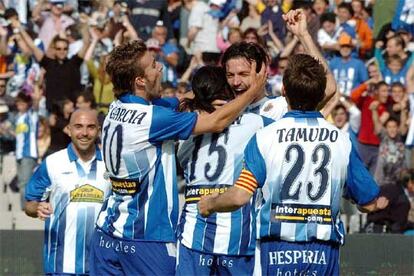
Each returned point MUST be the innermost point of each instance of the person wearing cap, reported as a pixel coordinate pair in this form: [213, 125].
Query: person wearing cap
[349, 72]
[50, 22]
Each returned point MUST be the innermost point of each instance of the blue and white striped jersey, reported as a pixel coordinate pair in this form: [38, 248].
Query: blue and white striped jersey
[139, 154]
[303, 164]
[270, 107]
[212, 162]
[26, 135]
[76, 191]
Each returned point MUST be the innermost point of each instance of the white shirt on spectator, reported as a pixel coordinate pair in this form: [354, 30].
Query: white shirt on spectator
[205, 40]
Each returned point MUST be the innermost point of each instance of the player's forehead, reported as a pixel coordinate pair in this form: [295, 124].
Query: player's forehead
[238, 65]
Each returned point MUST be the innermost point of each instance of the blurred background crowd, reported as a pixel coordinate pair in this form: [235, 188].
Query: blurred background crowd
[53, 54]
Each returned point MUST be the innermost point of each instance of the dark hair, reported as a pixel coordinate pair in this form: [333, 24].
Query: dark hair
[391, 119]
[249, 51]
[405, 177]
[398, 40]
[252, 30]
[379, 84]
[398, 84]
[123, 66]
[9, 13]
[328, 16]
[337, 107]
[88, 97]
[209, 84]
[304, 82]
[347, 6]
[57, 39]
[23, 97]
[395, 58]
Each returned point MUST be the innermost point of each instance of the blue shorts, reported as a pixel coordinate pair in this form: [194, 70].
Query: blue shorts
[281, 258]
[115, 256]
[191, 262]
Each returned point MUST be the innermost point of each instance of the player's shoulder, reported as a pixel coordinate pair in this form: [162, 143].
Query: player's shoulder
[57, 159]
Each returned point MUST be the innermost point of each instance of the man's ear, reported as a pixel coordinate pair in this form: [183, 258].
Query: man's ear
[139, 82]
[283, 92]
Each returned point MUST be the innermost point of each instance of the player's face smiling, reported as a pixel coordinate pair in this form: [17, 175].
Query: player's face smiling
[83, 132]
[238, 74]
[152, 76]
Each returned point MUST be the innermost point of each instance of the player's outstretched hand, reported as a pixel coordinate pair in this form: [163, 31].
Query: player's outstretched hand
[257, 80]
[44, 210]
[204, 205]
[296, 22]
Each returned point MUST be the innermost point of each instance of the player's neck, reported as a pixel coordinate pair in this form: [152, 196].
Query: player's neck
[261, 96]
[85, 155]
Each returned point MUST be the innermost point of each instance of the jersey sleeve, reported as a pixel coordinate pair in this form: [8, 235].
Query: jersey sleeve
[254, 162]
[168, 102]
[360, 186]
[38, 183]
[169, 125]
[267, 121]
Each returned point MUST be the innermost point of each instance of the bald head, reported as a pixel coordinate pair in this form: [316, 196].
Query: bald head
[89, 114]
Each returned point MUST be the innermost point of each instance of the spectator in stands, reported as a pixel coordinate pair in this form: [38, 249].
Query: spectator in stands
[328, 34]
[349, 72]
[348, 25]
[62, 74]
[85, 100]
[394, 218]
[367, 138]
[67, 191]
[273, 12]
[252, 20]
[251, 36]
[145, 14]
[7, 133]
[203, 27]
[363, 31]
[167, 54]
[391, 155]
[7, 99]
[49, 16]
[43, 138]
[58, 121]
[320, 6]
[399, 107]
[27, 121]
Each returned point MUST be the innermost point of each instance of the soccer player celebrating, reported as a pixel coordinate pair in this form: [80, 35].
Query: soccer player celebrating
[302, 164]
[136, 228]
[223, 243]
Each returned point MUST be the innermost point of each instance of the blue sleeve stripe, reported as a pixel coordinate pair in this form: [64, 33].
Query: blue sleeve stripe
[267, 121]
[360, 185]
[38, 183]
[254, 161]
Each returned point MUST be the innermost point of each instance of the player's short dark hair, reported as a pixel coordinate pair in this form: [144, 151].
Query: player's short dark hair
[249, 51]
[123, 66]
[304, 82]
[209, 83]
[57, 39]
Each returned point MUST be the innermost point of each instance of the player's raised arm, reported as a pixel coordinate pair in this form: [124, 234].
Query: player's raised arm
[296, 23]
[221, 118]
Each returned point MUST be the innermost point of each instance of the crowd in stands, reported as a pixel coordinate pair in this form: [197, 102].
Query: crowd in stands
[53, 55]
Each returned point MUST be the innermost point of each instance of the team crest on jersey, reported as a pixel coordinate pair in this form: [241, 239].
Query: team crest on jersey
[268, 107]
[87, 193]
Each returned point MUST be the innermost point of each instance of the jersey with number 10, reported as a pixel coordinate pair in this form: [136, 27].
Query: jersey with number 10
[212, 163]
[139, 154]
[303, 163]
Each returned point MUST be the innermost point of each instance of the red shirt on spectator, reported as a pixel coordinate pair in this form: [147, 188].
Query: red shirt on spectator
[366, 133]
